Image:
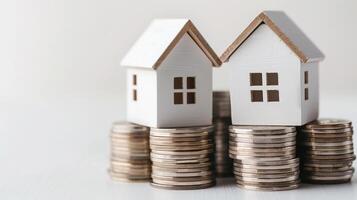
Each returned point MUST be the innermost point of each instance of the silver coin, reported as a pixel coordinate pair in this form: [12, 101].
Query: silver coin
[327, 144]
[183, 187]
[262, 150]
[125, 127]
[262, 136]
[264, 140]
[271, 163]
[269, 186]
[267, 167]
[269, 145]
[179, 157]
[188, 174]
[176, 183]
[266, 171]
[266, 176]
[180, 131]
[262, 129]
[330, 157]
[328, 123]
[180, 148]
[182, 153]
[267, 180]
[261, 159]
[329, 152]
[182, 166]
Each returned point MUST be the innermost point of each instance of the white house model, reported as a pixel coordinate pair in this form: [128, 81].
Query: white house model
[169, 76]
[274, 73]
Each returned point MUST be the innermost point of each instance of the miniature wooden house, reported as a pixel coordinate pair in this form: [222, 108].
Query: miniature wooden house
[274, 73]
[169, 76]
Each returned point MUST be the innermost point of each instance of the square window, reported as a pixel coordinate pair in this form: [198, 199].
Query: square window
[135, 95]
[191, 98]
[273, 95]
[306, 77]
[191, 83]
[306, 93]
[272, 78]
[178, 83]
[256, 95]
[134, 79]
[178, 98]
[256, 79]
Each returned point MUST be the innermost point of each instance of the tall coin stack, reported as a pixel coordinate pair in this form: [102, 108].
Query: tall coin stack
[130, 152]
[264, 157]
[182, 157]
[326, 150]
[222, 121]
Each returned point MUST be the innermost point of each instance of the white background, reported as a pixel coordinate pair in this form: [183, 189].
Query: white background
[61, 86]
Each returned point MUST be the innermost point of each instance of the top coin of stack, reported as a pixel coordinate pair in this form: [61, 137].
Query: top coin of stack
[326, 149]
[264, 157]
[130, 152]
[182, 157]
[221, 104]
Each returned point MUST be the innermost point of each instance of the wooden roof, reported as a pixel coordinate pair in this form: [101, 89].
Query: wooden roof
[286, 30]
[160, 38]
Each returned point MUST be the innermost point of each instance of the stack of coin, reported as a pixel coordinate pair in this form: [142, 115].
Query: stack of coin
[221, 104]
[182, 157]
[326, 150]
[221, 121]
[264, 157]
[130, 152]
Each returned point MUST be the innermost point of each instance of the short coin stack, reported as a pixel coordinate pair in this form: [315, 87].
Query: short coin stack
[182, 157]
[221, 121]
[130, 152]
[326, 150]
[264, 157]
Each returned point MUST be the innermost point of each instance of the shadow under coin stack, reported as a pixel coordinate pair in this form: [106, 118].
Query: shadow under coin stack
[182, 157]
[130, 152]
[222, 121]
[326, 150]
[264, 157]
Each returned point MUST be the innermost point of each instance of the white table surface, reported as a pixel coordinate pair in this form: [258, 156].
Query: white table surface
[58, 149]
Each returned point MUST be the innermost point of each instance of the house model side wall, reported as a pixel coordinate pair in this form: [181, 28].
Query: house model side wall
[142, 106]
[264, 52]
[185, 60]
[309, 91]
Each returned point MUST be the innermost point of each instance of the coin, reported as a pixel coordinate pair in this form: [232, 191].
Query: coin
[329, 124]
[269, 187]
[130, 153]
[327, 151]
[256, 130]
[182, 157]
[183, 187]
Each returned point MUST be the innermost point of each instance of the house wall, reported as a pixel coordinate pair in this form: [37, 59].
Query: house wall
[264, 52]
[186, 59]
[144, 110]
[310, 107]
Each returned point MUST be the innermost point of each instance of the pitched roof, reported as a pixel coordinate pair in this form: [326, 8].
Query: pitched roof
[286, 30]
[154, 45]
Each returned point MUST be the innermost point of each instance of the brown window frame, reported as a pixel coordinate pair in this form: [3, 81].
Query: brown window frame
[272, 78]
[254, 97]
[306, 94]
[135, 89]
[178, 83]
[256, 79]
[258, 88]
[273, 96]
[191, 98]
[178, 98]
[182, 89]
